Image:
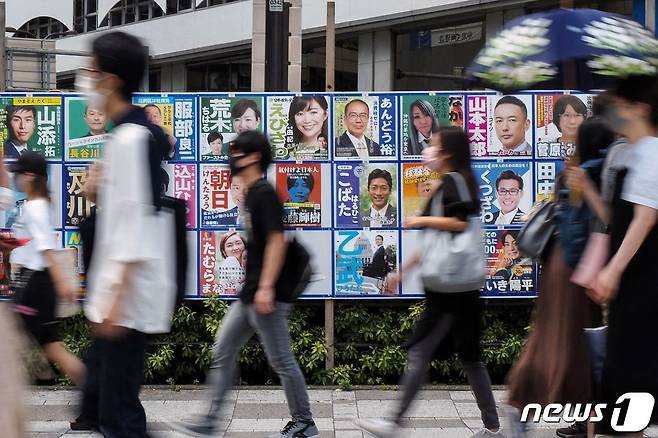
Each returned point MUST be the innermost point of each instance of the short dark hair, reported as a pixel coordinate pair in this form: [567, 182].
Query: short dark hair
[124, 56]
[513, 100]
[381, 173]
[640, 89]
[380, 236]
[241, 107]
[509, 174]
[355, 101]
[306, 177]
[561, 106]
[594, 137]
[152, 105]
[214, 135]
[13, 109]
[251, 142]
[601, 103]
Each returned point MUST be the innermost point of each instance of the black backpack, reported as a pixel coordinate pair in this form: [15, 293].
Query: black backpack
[178, 208]
[295, 274]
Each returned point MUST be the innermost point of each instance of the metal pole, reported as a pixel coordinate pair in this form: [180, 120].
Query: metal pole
[275, 53]
[3, 47]
[330, 47]
[329, 334]
[650, 14]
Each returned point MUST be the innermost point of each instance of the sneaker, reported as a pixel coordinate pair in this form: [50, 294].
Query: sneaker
[380, 428]
[298, 429]
[80, 424]
[576, 430]
[486, 433]
[192, 428]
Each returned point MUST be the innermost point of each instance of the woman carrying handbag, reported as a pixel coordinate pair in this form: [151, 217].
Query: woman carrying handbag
[452, 320]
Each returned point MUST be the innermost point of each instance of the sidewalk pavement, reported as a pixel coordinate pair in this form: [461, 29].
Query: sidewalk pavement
[437, 413]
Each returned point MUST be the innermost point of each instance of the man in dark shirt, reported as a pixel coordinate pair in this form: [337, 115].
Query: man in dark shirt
[262, 308]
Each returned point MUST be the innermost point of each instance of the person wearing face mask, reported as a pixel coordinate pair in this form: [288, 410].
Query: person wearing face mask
[131, 290]
[263, 307]
[451, 322]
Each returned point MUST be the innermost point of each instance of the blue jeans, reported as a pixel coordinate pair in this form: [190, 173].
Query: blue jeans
[237, 327]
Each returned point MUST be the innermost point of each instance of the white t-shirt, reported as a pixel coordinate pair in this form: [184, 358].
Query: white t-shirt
[641, 184]
[34, 223]
[130, 231]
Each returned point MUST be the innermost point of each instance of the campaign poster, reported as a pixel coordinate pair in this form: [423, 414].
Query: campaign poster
[505, 191]
[546, 175]
[175, 114]
[223, 262]
[87, 130]
[509, 274]
[222, 197]
[55, 190]
[508, 130]
[418, 185]
[72, 240]
[299, 127]
[300, 188]
[179, 181]
[363, 260]
[412, 243]
[222, 117]
[366, 195]
[365, 127]
[77, 205]
[318, 244]
[557, 119]
[31, 124]
[424, 113]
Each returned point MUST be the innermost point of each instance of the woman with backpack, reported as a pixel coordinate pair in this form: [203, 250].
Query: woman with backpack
[554, 364]
[451, 322]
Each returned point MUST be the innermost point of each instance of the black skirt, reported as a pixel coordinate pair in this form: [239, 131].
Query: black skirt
[35, 302]
[464, 336]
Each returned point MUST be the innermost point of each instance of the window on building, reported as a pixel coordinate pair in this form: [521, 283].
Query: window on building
[314, 64]
[131, 11]
[85, 15]
[226, 75]
[206, 3]
[42, 27]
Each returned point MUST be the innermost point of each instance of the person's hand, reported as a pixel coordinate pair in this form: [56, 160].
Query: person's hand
[412, 222]
[606, 285]
[264, 300]
[66, 291]
[392, 283]
[92, 181]
[576, 178]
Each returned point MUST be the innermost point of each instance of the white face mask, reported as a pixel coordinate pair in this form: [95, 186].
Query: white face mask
[431, 158]
[86, 85]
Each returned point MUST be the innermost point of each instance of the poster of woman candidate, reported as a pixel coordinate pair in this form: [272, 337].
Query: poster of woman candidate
[500, 126]
[301, 189]
[298, 127]
[223, 262]
[366, 195]
[509, 273]
[223, 117]
[557, 119]
[86, 130]
[31, 124]
[418, 185]
[546, 175]
[176, 115]
[365, 127]
[505, 191]
[10, 216]
[424, 113]
[221, 196]
[363, 259]
[318, 244]
[179, 181]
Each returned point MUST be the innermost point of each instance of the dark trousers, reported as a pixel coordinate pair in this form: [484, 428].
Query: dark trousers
[110, 400]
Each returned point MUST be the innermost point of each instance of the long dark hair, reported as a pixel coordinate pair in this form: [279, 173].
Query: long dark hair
[300, 103]
[40, 186]
[456, 145]
[594, 137]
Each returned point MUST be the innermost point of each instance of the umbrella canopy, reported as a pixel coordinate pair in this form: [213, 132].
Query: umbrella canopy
[580, 49]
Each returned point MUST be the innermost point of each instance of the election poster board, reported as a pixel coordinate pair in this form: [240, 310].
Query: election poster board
[557, 119]
[33, 124]
[87, 130]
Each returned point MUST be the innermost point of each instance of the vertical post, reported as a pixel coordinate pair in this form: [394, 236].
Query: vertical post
[258, 46]
[329, 333]
[276, 59]
[330, 48]
[650, 14]
[3, 47]
[295, 46]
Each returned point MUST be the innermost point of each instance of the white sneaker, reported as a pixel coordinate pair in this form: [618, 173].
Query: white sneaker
[379, 428]
[486, 433]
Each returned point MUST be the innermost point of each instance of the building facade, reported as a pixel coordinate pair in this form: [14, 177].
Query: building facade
[205, 45]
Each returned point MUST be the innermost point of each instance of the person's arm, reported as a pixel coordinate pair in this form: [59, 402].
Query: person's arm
[109, 328]
[578, 180]
[273, 258]
[607, 282]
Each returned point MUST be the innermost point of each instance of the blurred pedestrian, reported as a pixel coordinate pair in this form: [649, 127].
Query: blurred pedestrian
[131, 291]
[554, 364]
[629, 281]
[451, 322]
[262, 309]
